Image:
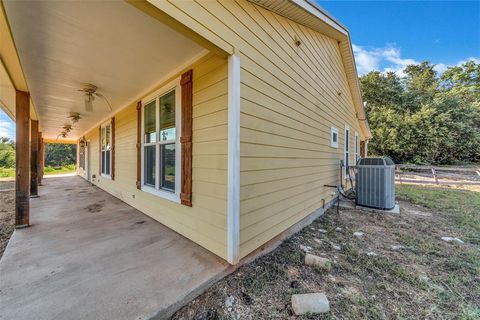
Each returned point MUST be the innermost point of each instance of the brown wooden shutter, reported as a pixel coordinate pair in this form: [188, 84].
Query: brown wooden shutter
[112, 148]
[99, 151]
[362, 149]
[186, 139]
[139, 145]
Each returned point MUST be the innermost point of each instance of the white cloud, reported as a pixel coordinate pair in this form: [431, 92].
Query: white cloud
[383, 59]
[440, 67]
[389, 59]
[366, 60]
[6, 129]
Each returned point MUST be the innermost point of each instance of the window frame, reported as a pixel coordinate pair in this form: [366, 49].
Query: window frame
[333, 144]
[104, 126]
[357, 147]
[346, 150]
[155, 96]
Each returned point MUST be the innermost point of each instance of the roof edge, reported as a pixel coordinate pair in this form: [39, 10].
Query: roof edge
[331, 27]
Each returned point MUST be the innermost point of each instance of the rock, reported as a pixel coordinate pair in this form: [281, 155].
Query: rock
[335, 247]
[338, 229]
[305, 248]
[322, 231]
[358, 234]
[316, 261]
[317, 240]
[371, 254]
[295, 284]
[310, 303]
[396, 247]
[229, 301]
[452, 239]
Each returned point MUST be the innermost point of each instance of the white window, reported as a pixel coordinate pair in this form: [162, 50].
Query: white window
[357, 147]
[347, 149]
[334, 137]
[106, 150]
[161, 143]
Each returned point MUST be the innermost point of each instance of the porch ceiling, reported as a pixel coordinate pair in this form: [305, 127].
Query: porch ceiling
[111, 44]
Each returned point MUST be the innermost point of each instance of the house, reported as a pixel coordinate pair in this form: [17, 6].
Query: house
[223, 120]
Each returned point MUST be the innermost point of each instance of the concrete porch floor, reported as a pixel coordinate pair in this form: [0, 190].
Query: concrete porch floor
[89, 255]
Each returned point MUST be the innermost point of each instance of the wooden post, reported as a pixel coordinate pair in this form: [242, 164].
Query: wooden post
[22, 181]
[34, 158]
[39, 159]
[42, 160]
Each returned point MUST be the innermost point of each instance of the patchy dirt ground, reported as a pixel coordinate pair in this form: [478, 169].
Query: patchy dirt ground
[7, 212]
[398, 269]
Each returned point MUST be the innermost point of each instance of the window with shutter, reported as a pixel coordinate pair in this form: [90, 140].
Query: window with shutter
[112, 171]
[106, 150]
[160, 147]
[139, 145]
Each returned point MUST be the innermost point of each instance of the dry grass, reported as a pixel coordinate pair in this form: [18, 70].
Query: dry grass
[426, 279]
[7, 213]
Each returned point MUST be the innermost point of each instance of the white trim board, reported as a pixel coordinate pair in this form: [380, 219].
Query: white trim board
[233, 185]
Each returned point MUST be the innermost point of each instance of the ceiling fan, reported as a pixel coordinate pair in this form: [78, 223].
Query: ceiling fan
[74, 117]
[90, 92]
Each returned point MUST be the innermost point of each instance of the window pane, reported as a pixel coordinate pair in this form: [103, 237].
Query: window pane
[107, 137]
[149, 122]
[167, 116]
[107, 162]
[103, 162]
[103, 138]
[149, 166]
[347, 140]
[168, 166]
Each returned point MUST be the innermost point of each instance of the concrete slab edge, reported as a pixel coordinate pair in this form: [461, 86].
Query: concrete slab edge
[263, 250]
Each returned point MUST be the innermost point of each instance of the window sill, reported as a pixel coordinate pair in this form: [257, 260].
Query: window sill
[106, 176]
[162, 193]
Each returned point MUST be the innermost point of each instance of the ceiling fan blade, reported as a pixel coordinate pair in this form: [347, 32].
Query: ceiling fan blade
[88, 106]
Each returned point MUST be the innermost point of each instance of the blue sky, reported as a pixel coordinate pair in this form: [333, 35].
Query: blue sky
[388, 35]
[7, 127]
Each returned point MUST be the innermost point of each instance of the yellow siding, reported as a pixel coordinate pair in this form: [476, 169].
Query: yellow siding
[290, 98]
[205, 222]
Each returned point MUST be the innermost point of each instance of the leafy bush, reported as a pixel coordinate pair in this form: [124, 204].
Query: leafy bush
[7, 172]
[7, 153]
[58, 155]
[423, 117]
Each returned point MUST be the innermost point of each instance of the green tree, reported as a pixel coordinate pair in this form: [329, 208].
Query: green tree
[7, 153]
[424, 117]
[381, 90]
[57, 154]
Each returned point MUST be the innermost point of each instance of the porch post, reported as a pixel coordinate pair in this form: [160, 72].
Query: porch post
[42, 159]
[233, 172]
[22, 181]
[39, 158]
[34, 159]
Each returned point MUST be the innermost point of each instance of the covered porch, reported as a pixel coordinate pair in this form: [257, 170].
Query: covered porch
[85, 73]
[89, 255]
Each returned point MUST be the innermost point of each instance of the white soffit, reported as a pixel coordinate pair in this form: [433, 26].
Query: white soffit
[111, 44]
[7, 93]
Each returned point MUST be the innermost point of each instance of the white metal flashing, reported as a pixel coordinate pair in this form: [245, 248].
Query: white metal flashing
[321, 14]
[233, 192]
